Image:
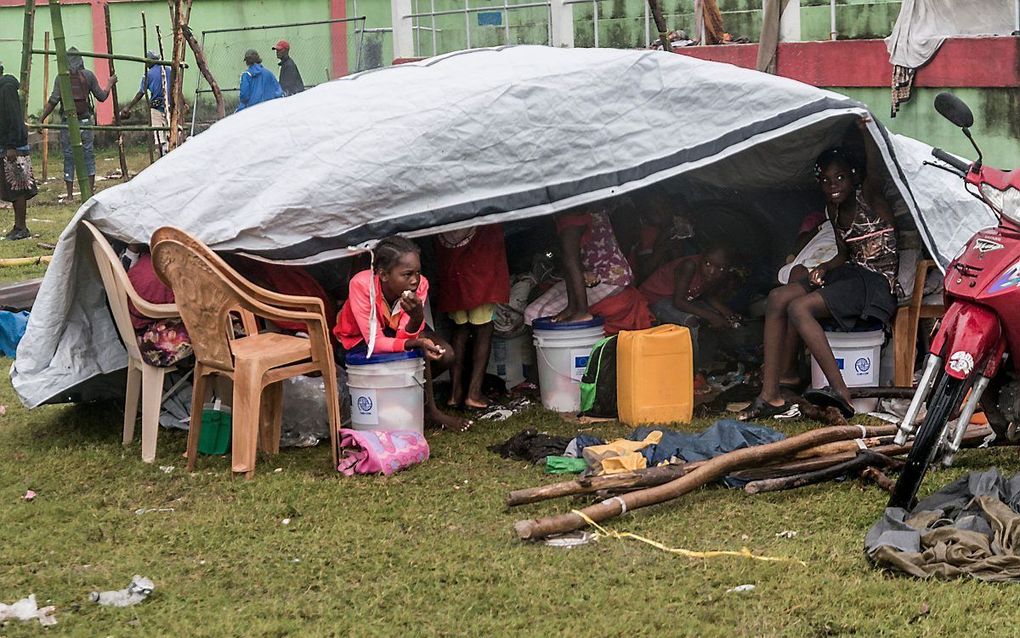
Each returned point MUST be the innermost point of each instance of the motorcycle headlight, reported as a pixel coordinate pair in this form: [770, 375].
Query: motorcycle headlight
[992, 196]
[1011, 204]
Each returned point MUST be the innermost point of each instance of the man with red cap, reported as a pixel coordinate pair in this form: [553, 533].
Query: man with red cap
[290, 77]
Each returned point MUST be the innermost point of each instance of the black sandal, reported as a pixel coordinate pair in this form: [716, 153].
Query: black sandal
[827, 398]
[762, 409]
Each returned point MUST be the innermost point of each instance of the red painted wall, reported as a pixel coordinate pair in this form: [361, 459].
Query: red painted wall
[338, 35]
[992, 62]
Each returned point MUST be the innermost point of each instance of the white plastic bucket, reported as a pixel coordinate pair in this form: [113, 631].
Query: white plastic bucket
[859, 357]
[563, 351]
[387, 391]
[511, 358]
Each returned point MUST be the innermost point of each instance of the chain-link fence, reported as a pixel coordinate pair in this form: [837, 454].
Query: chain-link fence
[322, 50]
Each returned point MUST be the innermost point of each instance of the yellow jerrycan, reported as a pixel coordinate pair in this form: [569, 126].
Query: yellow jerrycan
[655, 375]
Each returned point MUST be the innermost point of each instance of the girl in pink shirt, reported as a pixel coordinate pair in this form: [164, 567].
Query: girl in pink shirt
[400, 294]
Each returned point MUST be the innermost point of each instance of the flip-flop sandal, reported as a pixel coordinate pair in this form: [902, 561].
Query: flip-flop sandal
[761, 409]
[827, 398]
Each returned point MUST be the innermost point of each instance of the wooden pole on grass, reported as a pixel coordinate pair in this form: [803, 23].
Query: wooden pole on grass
[711, 470]
[145, 69]
[26, 58]
[113, 92]
[45, 96]
[67, 100]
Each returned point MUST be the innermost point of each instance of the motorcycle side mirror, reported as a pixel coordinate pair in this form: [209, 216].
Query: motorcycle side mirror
[954, 109]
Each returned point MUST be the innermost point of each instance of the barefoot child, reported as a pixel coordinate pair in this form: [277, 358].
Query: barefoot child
[473, 278]
[597, 280]
[400, 294]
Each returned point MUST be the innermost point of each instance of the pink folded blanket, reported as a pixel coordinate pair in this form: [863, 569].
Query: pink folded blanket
[369, 452]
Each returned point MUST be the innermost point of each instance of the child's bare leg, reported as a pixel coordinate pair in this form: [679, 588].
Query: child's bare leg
[432, 411]
[460, 340]
[479, 361]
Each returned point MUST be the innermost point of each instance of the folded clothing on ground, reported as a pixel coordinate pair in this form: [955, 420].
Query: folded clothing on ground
[369, 452]
[971, 527]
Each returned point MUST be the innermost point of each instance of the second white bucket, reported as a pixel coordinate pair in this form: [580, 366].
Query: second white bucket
[563, 351]
[387, 391]
[859, 357]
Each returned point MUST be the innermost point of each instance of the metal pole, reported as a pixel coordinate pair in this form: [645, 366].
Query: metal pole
[435, 48]
[467, 26]
[832, 20]
[45, 93]
[113, 93]
[595, 13]
[506, 21]
[26, 60]
[67, 101]
[145, 78]
[361, 45]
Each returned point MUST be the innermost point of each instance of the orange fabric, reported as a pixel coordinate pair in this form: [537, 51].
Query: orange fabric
[626, 310]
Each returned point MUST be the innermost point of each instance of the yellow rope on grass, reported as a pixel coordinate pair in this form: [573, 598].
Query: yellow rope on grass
[743, 553]
[26, 261]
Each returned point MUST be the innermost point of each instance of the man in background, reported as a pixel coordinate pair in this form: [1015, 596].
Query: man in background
[84, 86]
[157, 82]
[290, 77]
[17, 184]
[258, 84]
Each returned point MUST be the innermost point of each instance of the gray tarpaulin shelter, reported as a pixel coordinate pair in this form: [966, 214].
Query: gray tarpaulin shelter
[471, 137]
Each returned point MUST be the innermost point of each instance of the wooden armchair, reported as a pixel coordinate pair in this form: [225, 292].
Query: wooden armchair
[208, 293]
[142, 378]
[905, 326]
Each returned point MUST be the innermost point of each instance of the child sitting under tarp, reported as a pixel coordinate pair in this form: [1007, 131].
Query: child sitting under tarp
[400, 291]
[690, 291]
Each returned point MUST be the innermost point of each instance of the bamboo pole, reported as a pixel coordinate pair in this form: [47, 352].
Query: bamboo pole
[26, 261]
[145, 77]
[45, 94]
[203, 67]
[96, 127]
[106, 56]
[67, 101]
[124, 175]
[710, 471]
[26, 60]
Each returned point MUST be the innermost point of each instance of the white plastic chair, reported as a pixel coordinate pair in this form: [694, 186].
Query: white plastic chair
[143, 379]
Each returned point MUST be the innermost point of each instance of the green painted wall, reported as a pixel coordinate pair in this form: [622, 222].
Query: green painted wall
[996, 121]
[77, 21]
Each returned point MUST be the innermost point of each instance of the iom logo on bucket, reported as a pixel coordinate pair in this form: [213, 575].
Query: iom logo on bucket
[863, 365]
[365, 404]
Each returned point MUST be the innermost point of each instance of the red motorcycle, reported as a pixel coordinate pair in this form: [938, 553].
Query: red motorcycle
[981, 327]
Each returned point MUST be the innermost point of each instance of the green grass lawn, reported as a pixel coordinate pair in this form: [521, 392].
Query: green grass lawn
[430, 551]
[426, 552]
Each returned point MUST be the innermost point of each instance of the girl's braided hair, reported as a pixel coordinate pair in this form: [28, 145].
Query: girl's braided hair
[389, 251]
[838, 154]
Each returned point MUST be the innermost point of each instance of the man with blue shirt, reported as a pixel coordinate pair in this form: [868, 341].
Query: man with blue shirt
[258, 84]
[157, 81]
